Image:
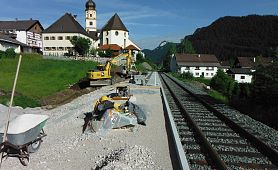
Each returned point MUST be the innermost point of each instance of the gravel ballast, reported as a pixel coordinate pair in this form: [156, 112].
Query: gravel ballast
[65, 147]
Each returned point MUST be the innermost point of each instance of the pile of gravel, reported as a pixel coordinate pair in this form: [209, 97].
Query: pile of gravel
[127, 157]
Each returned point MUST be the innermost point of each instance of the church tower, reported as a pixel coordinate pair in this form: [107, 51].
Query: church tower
[91, 16]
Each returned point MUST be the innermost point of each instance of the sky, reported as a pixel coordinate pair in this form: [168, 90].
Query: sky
[148, 21]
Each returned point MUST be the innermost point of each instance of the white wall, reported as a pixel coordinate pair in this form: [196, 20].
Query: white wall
[243, 78]
[209, 72]
[91, 19]
[21, 36]
[121, 39]
[4, 46]
[64, 44]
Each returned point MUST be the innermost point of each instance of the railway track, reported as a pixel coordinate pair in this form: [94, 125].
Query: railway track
[210, 139]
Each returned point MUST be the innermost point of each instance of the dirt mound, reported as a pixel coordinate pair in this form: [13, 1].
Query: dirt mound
[63, 97]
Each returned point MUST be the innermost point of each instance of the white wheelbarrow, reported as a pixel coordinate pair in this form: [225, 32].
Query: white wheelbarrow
[24, 136]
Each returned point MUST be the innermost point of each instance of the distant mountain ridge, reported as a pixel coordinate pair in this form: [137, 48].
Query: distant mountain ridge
[159, 53]
[230, 37]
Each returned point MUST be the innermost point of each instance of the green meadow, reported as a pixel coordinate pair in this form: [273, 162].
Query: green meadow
[39, 77]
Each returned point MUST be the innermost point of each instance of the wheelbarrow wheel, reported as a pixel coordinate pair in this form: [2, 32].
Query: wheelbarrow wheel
[32, 148]
[24, 158]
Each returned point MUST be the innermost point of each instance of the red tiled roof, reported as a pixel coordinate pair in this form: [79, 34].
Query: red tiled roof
[131, 47]
[113, 47]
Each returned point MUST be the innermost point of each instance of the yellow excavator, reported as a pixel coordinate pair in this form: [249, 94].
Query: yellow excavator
[101, 76]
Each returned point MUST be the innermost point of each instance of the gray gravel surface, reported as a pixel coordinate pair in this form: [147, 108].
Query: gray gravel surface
[143, 147]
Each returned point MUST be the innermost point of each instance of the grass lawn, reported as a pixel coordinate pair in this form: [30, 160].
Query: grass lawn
[40, 78]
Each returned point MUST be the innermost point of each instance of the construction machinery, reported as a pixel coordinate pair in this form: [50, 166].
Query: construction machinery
[101, 76]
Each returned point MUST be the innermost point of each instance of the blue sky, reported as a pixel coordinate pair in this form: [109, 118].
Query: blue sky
[149, 21]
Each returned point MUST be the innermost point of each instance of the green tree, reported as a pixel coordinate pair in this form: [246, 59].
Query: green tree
[10, 53]
[223, 83]
[93, 51]
[140, 58]
[167, 60]
[81, 45]
[186, 47]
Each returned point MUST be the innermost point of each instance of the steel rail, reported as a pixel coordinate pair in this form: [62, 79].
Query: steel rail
[259, 144]
[219, 163]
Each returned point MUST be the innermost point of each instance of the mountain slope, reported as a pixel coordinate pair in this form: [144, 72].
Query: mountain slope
[159, 53]
[229, 37]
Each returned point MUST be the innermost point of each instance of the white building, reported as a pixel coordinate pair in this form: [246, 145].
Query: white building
[56, 38]
[200, 65]
[25, 31]
[241, 75]
[115, 32]
[7, 42]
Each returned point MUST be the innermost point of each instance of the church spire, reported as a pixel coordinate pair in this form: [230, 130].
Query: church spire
[91, 16]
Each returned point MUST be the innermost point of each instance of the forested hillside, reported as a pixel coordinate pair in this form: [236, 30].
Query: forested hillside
[229, 37]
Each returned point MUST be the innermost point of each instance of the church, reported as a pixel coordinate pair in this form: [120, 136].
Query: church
[113, 35]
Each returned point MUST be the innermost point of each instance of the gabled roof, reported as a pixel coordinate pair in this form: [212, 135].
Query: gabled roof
[114, 23]
[19, 25]
[197, 60]
[239, 71]
[250, 62]
[114, 47]
[131, 47]
[7, 39]
[93, 35]
[66, 24]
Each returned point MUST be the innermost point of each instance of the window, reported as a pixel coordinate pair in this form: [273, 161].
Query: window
[197, 68]
[107, 33]
[91, 23]
[242, 77]
[107, 41]
[197, 74]
[53, 48]
[212, 74]
[116, 33]
[207, 74]
[91, 15]
[125, 34]
[60, 38]
[46, 38]
[52, 38]
[67, 37]
[47, 49]
[60, 48]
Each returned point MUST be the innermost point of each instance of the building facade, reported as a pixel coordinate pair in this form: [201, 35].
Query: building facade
[25, 31]
[199, 65]
[241, 75]
[56, 38]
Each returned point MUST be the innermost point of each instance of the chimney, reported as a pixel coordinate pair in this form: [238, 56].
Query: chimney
[16, 19]
[75, 16]
[31, 19]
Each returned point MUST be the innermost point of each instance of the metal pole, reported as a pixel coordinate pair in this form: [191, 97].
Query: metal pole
[10, 106]
[155, 78]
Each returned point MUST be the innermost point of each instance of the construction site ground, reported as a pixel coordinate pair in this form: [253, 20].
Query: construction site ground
[65, 147]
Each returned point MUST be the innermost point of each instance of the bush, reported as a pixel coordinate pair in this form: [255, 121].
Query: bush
[223, 83]
[10, 53]
[2, 54]
[187, 75]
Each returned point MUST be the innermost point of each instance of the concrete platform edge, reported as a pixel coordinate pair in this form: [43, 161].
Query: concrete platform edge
[179, 149]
